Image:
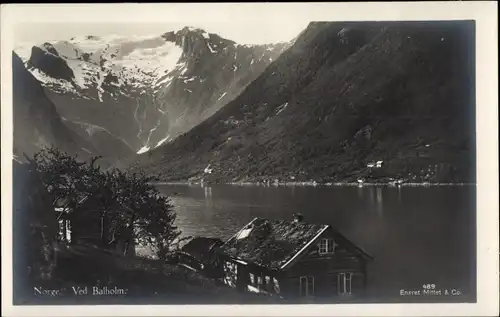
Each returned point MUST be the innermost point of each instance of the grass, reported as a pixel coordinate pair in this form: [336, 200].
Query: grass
[86, 266]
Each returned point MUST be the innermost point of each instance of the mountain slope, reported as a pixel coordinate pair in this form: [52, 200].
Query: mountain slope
[106, 144]
[36, 121]
[146, 90]
[344, 95]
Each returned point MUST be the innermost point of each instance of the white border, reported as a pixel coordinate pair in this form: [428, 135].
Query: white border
[485, 14]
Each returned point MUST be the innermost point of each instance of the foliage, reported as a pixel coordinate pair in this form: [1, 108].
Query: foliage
[66, 179]
[131, 209]
[156, 223]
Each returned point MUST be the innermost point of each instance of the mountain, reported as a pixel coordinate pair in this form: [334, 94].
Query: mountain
[36, 121]
[37, 124]
[110, 147]
[146, 91]
[343, 97]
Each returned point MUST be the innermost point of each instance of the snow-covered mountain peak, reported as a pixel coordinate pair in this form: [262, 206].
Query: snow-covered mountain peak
[139, 61]
[145, 89]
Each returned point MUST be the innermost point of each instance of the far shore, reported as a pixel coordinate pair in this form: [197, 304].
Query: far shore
[314, 184]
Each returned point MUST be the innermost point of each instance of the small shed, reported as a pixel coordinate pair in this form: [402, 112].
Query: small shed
[199, 254]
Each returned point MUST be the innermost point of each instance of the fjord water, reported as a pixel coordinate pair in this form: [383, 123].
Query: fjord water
[416, 235]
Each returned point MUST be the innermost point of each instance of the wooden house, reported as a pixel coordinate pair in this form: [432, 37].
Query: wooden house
[199, 255]
[294, 260]
[88, 224]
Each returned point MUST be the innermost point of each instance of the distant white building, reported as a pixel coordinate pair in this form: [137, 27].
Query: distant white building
[377, 164]
[208, 170]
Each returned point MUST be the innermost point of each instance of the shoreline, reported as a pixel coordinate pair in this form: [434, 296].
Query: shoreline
[315, 184]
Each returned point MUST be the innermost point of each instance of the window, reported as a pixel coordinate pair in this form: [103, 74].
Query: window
[307, 286]
[61, 230]
[344, 283]
[276, 285]
[252, 279]
[231, 272]
[269, 284]
[263, 283]
[64, 230]
[68, 231]
[231, 267]
[327, 246]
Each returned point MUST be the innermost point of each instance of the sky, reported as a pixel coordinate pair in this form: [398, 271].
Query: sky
[240, 32]
[244, 23]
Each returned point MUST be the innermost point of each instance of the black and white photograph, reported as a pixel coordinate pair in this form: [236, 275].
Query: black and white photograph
[247, 161]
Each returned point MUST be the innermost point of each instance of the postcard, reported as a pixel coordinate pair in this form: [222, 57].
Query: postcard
[250, 159]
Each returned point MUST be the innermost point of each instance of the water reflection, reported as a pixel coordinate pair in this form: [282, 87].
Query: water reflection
[379, 203]
[208, 193]
[360, 192]
[423, 233]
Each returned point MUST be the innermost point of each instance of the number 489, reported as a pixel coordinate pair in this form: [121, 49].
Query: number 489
[429, 286]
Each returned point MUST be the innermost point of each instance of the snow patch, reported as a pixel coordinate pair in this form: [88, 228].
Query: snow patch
[143, 149]
[189, 79]
[211, 49]
[67, 50]
[222, 96]
[139, 60]
[281, 108]
[167, 138]
[183, 67]
[164, 80]
[58, 84]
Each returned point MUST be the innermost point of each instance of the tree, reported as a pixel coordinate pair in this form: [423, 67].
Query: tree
[67, 180]
[156, 226]
[131, 208]
[132, 191]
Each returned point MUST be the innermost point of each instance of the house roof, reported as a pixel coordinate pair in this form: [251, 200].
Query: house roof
[275, 244]
[271, 243]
